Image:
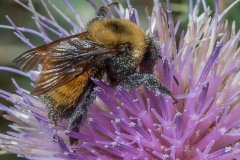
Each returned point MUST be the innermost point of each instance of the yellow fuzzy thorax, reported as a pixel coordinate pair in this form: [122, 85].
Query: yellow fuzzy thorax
[119, 31]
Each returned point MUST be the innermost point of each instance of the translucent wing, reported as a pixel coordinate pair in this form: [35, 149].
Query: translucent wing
[63, 60]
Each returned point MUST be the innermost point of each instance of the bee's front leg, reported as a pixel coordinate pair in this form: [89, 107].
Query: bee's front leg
[102, 12]
[149, 81]
[81, 110]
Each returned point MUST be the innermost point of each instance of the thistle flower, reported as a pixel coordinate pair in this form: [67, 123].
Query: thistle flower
[136, 123]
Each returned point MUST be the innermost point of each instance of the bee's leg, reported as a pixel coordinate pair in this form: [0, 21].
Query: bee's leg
[149, 81]
[102, 12]
[81, 110]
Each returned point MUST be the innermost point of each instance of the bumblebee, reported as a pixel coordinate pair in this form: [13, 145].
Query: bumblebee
[116, 49]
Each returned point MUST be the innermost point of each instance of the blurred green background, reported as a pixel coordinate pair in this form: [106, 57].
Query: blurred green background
[11, 46]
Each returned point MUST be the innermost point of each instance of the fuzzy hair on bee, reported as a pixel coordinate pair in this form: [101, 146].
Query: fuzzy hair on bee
[114, 50]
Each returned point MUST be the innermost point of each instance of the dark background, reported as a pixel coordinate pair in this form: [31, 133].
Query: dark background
[11, 47]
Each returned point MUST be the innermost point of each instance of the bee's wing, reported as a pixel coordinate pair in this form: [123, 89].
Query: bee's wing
[63, 60]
